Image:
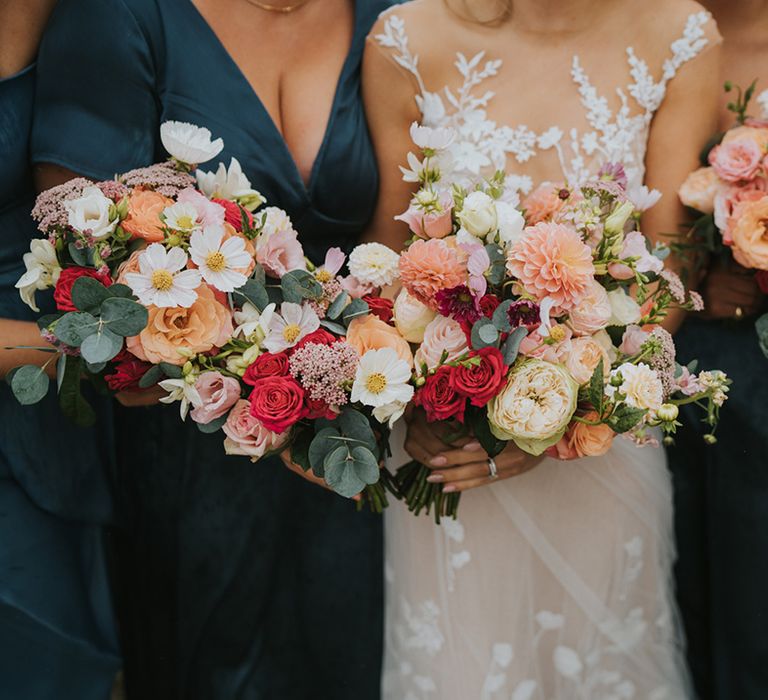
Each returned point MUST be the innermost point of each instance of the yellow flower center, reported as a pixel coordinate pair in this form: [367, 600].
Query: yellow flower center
[557, 333]
[376, 383]
[216, 261]
[323, 276]
[162, 280]
[185, 222]
[291, 333]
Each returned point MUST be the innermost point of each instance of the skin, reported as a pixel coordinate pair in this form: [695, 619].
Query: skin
[548, 30]
[728, 286]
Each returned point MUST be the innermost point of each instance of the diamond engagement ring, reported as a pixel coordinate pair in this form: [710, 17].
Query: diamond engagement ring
[493, 471]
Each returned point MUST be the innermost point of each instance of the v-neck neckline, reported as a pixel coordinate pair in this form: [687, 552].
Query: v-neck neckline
[305, 188]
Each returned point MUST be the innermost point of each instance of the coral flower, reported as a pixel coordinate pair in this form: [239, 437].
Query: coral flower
[552, 261]
[429, 266]
[543, 203]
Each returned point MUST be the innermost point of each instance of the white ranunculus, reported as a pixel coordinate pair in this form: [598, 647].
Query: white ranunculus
[641, 385]
[90, 214]
[511, 224]
[42, 271]
[188, 143]
[229, 183]
[411, 317]
[374, 264]
[624, 309]
[478, 214]
[534, 408]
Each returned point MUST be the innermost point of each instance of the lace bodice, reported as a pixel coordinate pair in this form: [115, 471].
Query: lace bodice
[482, 145]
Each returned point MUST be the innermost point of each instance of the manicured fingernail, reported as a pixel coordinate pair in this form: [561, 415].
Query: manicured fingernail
[435, 478]
[473, 446]
[438, 461]
[449, 489]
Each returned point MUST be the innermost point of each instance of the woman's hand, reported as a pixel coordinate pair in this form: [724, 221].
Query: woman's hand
[464, 464]
[141, 397]
[730, 291]
[285, 455]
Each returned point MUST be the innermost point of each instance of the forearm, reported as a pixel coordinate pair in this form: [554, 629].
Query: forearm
[23, 335]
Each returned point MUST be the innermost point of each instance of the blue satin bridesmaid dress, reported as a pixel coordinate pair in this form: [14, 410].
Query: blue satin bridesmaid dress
[242, 581]
[57, 631]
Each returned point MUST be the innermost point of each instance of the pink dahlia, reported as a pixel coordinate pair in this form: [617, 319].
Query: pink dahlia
[430, 266]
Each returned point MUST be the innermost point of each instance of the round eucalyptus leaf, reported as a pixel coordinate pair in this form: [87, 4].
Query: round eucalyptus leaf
[101, 346]
[356, 426]
[213, 426]
[337, 306]
[366, 465]
[88, 293]
[340, 473]
[124, 317]
[484, 334]
[324, 442]
[355, 309]
[29, 384]
[73, 328]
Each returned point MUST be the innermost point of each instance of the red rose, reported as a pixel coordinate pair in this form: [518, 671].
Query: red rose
[127, 371]
[318, 337]
[278, 403]
[762, 280]
[317, 408]
[63, 292]
[438, 397]
[266, 365]
[380, 307]
[233, 214]
[480, 382]
[488, 304]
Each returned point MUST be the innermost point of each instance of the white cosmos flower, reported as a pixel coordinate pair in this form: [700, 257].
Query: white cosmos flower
[229, 183]
[182, 216]
[162, 280]
[90, 213]
[188, 143]
[374, 264]
[42, 271]
[642, 197]
[181, 390]
[220, 261]
[382, 379]
[253, 325]
[435, 139]
[289, 326]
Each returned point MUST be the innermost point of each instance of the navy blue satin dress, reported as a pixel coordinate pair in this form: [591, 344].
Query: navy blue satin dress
[721, 518]
[57, 631]
[239, 581]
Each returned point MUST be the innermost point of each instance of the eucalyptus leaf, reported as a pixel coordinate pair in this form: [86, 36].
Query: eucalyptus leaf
[340, 473]
[761, 326]
[88, 293]
[324, 442]
[302, 438]
[45, 321]
[102, 346]
[254, 293]
[484, 334]
[511, 347]
[95, 368]
[501, 317]
[482, 431]
[120, 290]
[74, 327]
[213, 426]
[171, 371]
[366, 465]
[356, 426]
[29, 384]
[625, 418]
[259, 275]
[298, 285]
[151, 377]
[596, 387]
[71, 400]
[356, 308]
[79, 255]
[124, 317]
[336, 328]
[337, 306]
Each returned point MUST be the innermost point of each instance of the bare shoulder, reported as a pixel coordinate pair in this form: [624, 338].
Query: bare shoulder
[680, 22]
[414, 15]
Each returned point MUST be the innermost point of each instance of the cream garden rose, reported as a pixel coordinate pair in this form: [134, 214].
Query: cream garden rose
[478, 214]
[411, 317]
[640, 384]
[624, 309]
[535, 407]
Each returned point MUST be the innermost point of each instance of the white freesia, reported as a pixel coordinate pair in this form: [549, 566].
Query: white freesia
[390, 413]
[432, 138]
[411, 317]
[374, 264]
[382, 379]
[624, 309]
[414, 170]
[510, 222]
[183, 391]
[289, 326]
[162, 280]
[182, 216]
[478, 214]
[253, 325]
[42, 271]
[229, 183]
[640, 384]
[188, 143]
[92, 213]
[221, 262]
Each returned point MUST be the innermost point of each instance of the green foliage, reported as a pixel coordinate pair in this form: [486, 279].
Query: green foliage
[71, 399]
[254, 292]
[761, 325]
[511, 347]
[298, 285]
[625, 418]
[596, 387]
[29, 384]
[484, 334]
[337, 306]
[357, 307]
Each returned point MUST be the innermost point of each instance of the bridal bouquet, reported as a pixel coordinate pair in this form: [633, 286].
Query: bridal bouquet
[538, 325]
[163, 278]
[731, 192]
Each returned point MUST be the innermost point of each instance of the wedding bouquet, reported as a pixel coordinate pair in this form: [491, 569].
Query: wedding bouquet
[538, 324]
[731, 192]
[162, 278]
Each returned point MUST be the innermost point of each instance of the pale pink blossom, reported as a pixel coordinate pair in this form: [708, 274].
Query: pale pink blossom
[736, 160]
[635, 247]
[429, 224]
[687, 383]
[593, 312]
[355, 288]
[247, 436]
[217, 393]
[633, 338]
[280, 252]
[444, 339]
[208, 213]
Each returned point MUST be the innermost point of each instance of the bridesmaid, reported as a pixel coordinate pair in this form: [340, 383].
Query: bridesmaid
[57, 631]
[722, 490]
[241, 580]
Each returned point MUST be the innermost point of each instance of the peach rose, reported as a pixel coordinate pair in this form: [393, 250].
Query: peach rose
[755, 131]
[371, 333]
[429, 266]
[129, 265]
[175, 333]
[729, 198]
[247, 436]
[543, 203]
[750, 234]
[593, 312]
[699, 190]
[442, 336]
[580, 357]
[582, 440]
[736, 160]
[144, 209]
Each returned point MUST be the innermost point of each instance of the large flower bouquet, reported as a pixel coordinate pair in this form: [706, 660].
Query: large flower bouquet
[731, 193]
[538, 324]
[170, 276]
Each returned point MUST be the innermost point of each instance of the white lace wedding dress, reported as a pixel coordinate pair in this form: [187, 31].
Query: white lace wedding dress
[555, 584]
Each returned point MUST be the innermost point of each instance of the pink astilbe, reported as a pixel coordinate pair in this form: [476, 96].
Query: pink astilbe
[331, 289]
[49, 210]
[162, 177]
[113, 189]
[663, 358]
[675, 285]
[326, 371]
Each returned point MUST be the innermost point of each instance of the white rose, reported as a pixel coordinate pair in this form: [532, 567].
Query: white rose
[188, 143]
[511, 224]
[641, 385]
[535, 407]
[91, 213]
[478, 214]
[411, 317]
[42, 271]
[374, 264]
[229, 183]
[624, 309]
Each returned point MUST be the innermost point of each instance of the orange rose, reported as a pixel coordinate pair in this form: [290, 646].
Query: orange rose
[371, 333]
[175, 333]
[144, 209]
[750, 234]
[582, 440]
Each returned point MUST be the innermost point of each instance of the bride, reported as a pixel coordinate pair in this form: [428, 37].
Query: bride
[554, 583]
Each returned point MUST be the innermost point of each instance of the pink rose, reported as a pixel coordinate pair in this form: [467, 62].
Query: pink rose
[728, 198]
[218, 393]
[435, 224]
[280, 252]
[593, 312]
[635, 247]
[442, 335]
[736, 160]
[247, 436]
[533, 345]
[633, 338]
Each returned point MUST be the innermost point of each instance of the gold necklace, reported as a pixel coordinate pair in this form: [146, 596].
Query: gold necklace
[283, 9]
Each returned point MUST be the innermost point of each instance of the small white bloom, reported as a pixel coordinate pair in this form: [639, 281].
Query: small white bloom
[642, 197]
[567, 662]
[182, 216]
[435, 139]
[432, 109]
[252, 325]
[413, 172]
[188, 143]
[389, 413]
[162, 280]
[374, 264]
[275, 220]
[762, 100]
[641, 386]
[183, 391]
[42, 271]
[221, 262]
[625, 311]
[381, 379]
[89, 214]
[478, 214]
[511, 224]
[229, 183]
[289, 326]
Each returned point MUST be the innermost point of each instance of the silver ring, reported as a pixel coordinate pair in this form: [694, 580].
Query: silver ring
[493, 470]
